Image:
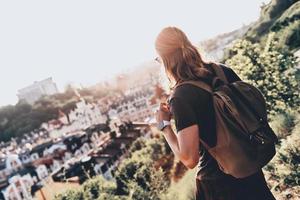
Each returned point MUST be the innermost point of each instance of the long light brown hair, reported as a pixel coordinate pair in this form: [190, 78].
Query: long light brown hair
[180, 58]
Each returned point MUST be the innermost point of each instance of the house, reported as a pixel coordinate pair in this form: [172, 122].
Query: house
[38, 151]
[135, 105]
[36, 90]
[74, 142]
[3, 174]
[13, 163]
[103, 165]
[55, 149]
[25, 157]
[83, 150]
[56, 165]
[20, 184]
[63, 118]
[42, 172]
[19, 188]
[46, 161]
[9, 165]
[68, 155]
[91, 162]
[50, 155]
[82, 169]
[95, 140]
[86, 114]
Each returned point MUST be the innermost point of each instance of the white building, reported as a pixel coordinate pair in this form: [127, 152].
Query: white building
[19, 188]
[135, 106]
[35, 91]
[42, 172]
[83, 150]
[86, 115]
[13, 163]
[56, 165]
[83, 116]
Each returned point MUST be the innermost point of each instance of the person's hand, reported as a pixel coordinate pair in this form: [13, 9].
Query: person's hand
[163, 113]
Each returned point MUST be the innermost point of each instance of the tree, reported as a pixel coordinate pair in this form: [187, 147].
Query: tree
[139, 175]
[137, 145]
[139, 179]
[283, 170]
[98, 188]
[270, 69]
[113, 134]
[70, 195]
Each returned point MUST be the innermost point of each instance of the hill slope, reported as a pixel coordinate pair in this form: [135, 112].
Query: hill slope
[281, 17]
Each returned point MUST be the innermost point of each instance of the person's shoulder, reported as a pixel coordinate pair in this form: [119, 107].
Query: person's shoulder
[224, 66]
[188, 91]
[230, 73]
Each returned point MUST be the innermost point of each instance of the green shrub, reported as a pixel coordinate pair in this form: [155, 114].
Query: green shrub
[184, 189]
[138, 144]
[270, 69]
[283, 123]
[98, 187]
[138, 177]
[283, 171]
[269, 14]
[70, 195]
[139, 172]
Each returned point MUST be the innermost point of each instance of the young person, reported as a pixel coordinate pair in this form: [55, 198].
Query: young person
[192, 109]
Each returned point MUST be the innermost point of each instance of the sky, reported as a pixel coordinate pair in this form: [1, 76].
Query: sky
[85, 42]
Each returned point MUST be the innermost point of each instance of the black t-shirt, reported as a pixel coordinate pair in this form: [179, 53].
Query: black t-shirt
[193, 105]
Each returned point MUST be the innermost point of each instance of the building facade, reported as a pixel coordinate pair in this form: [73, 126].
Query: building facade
[38, 89]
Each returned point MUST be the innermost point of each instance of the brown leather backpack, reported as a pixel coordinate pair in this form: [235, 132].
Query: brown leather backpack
[245, 141]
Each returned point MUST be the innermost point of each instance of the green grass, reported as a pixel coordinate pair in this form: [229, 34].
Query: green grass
[183, 189]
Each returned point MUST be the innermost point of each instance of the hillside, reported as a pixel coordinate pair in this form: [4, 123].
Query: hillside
[213, 48]
[22, 118]
[281, 17]
[267, 67]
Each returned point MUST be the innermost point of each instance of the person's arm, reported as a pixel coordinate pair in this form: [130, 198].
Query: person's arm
[185, 145]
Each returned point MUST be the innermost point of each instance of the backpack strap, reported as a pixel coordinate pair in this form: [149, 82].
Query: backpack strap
[219, 71]
[199, 84]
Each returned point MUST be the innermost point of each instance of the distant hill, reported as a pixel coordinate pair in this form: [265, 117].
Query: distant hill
[22, 118]
[214, 47]
[281, 17]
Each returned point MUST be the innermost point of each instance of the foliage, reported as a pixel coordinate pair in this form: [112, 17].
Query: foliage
[137, 145]
[264, 58]
[269, 14]
[289, 16]
[283, 123]
[183, 189]
[70, 195]
[22, 118]
[138, 173]
[270, 69]
[98, 188]
[283, 170]
[137, 177]
[281, 17]
[289, 36]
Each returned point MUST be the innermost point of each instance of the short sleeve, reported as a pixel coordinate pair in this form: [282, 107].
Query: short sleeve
[183, 113]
